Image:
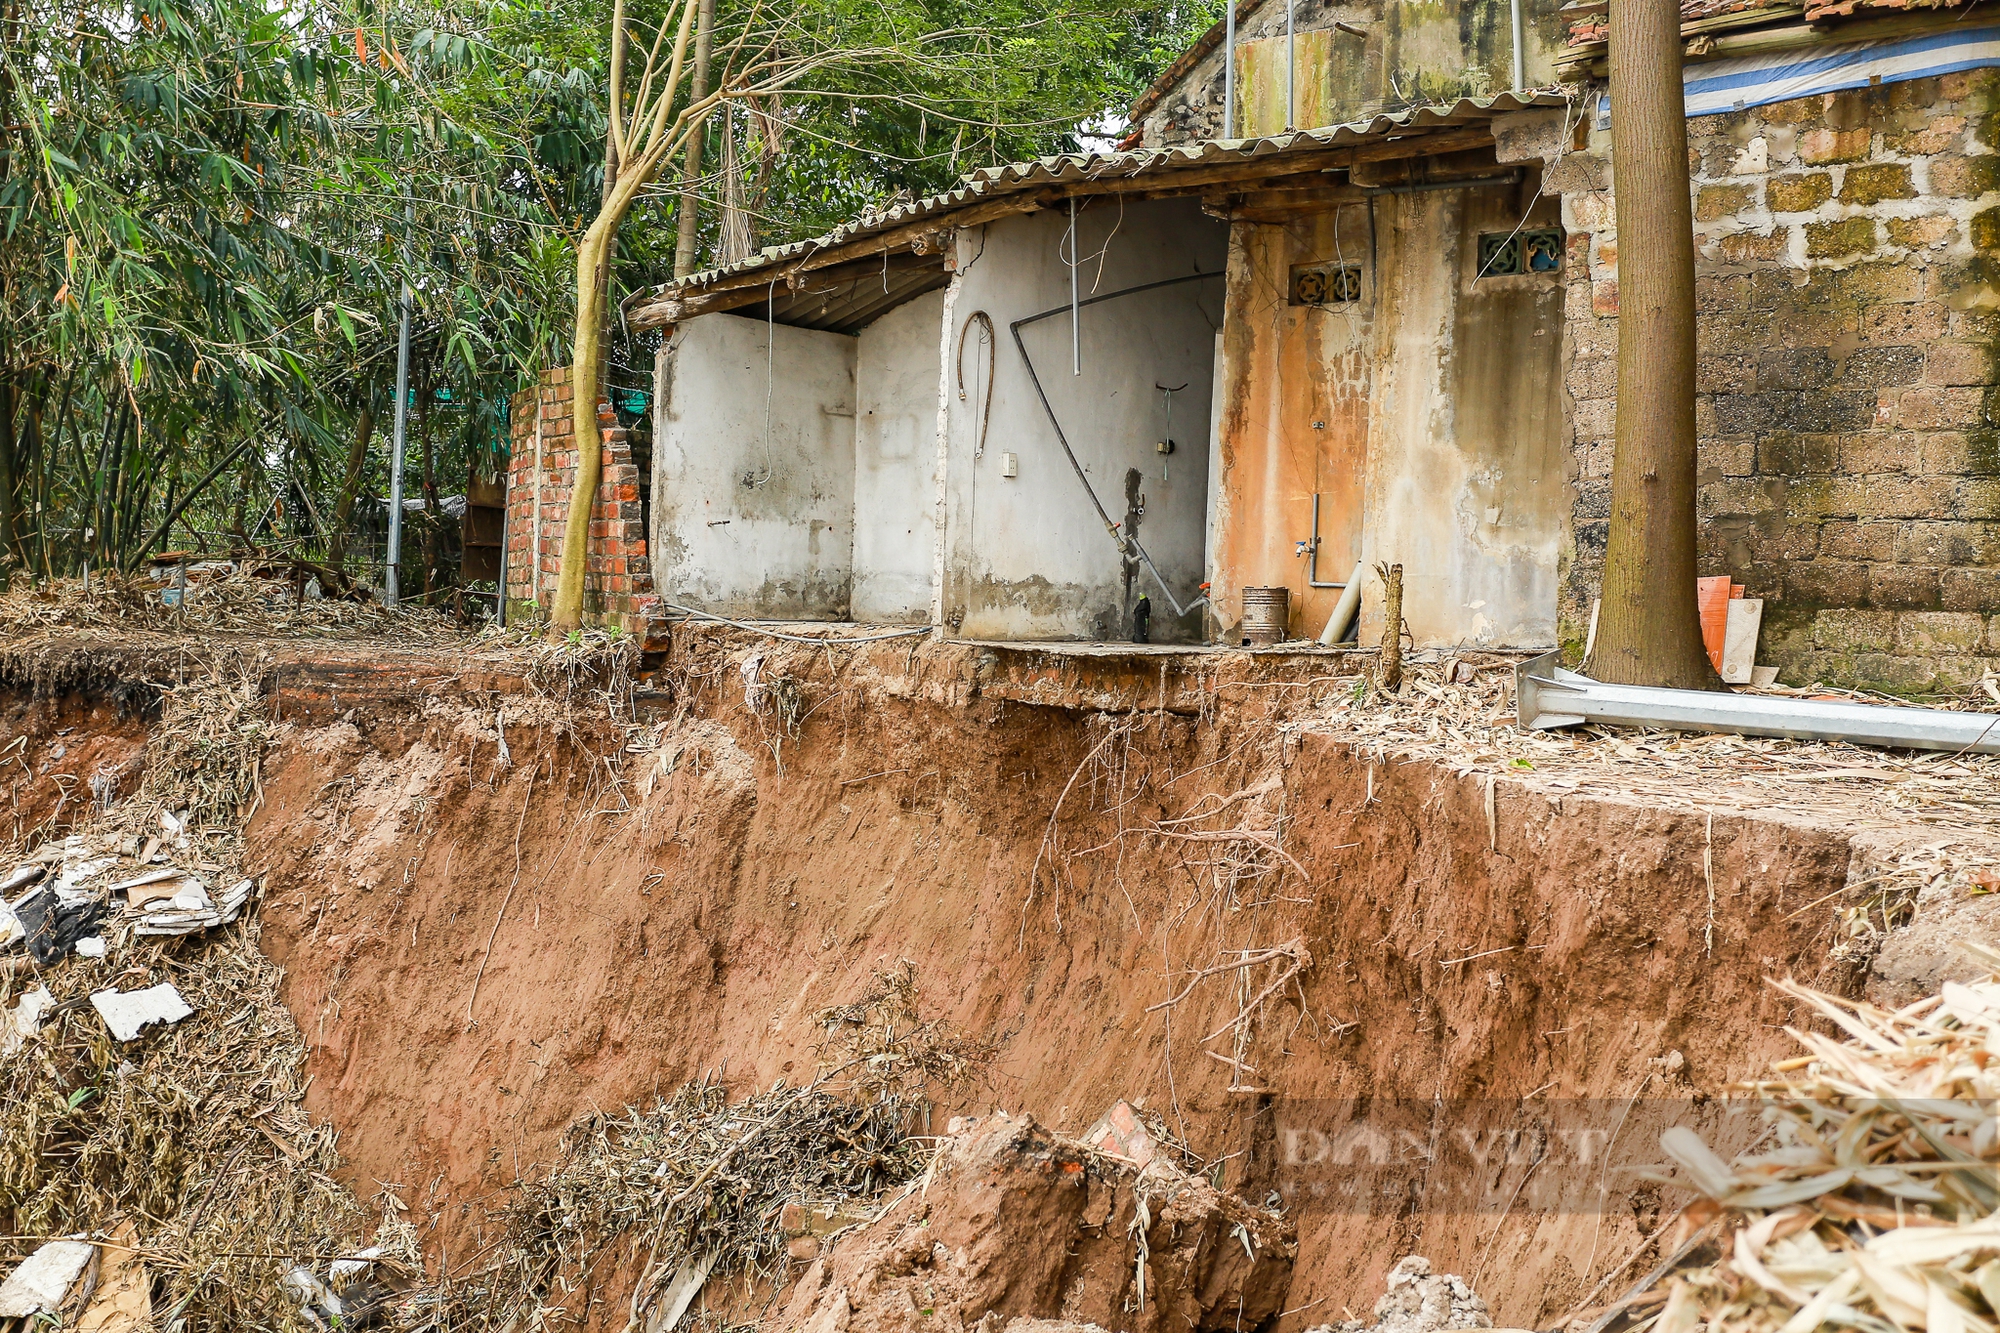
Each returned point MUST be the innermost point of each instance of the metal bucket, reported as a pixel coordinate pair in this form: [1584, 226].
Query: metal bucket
[1267, 614]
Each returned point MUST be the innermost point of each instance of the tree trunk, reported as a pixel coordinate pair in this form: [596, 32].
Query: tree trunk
[1648, 626]
[29, 443]
[690, 216]
[350, 484]
[433, 508]
[593, 263]
[10, 395]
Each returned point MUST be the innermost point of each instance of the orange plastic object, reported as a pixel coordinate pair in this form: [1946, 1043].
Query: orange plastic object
[1713, 596]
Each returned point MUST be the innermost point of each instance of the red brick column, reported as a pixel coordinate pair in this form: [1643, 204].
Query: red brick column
[618, 581]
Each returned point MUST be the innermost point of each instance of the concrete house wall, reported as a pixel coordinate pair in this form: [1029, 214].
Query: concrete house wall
[895, 462]
[1027, 557]
[753, 469]
[1406, 55]
[1848, 315]
[1426, 417]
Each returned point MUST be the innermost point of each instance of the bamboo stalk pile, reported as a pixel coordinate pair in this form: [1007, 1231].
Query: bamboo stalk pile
[1874, 1200]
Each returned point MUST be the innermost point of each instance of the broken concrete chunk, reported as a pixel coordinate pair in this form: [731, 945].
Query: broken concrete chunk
[176, 919]
[43, 1281]
[126, 1012]
[142, 889]
[1016, 1223]
[1121, 1134]
[1419, 1301]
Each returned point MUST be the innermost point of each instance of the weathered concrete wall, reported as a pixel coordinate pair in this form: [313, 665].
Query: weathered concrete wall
[1426, 417]
[1466, 485]
[1431, 51]
[753, 469]
[1850, 468]
[1027, 557]
[895, 461]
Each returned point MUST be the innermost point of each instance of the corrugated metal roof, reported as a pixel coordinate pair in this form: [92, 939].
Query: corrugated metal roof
[1588, 34]
[1073, 168]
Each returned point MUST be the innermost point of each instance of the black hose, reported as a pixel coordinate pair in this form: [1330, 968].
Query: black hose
[1015, 328]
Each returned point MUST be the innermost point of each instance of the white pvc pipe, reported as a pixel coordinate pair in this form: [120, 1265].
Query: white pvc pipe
[1520, 63]
[1292, 60]
[1229, 70]
[1343, 610]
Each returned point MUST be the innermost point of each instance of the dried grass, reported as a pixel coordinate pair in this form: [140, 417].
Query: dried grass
[195, 1135]
[234, 603]
[700, 1183]
[1878, 1206]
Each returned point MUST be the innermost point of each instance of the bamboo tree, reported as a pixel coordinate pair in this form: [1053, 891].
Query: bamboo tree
[1648, 623]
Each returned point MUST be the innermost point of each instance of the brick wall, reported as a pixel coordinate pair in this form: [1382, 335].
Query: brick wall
[1849, 470]
[618, 583]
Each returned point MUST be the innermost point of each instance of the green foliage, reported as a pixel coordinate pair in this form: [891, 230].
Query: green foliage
[208, 209]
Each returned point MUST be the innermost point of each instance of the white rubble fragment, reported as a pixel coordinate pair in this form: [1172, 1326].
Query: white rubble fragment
[192, 897]
[1419, 1301]
[22, 1023]
[44, 1278]
[90, 946]
[126, 1012]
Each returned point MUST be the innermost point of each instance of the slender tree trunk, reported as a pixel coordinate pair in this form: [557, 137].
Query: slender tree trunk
[690, 218]
[433, 508]
[593, 264]
[1648, 626]
[10, 395]
[29, 444]
[350, 484]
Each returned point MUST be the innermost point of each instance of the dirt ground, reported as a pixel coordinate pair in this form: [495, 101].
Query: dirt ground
[479, 947]
[1228, 888]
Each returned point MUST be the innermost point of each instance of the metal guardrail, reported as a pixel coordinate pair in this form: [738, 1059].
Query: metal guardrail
[1547, 697]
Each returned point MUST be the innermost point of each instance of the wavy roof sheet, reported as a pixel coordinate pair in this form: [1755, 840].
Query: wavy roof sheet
[1696, 15]
[1082, 168]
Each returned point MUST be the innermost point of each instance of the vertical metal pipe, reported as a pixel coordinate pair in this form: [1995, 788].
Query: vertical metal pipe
[1229, 70]
[1520, 65]
[391, 590]
[1075, 338]
[1292, 62]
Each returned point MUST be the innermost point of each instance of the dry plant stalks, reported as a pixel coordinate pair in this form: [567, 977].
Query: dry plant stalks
[1878, 1208]
[698, 1184]
[599, 662]
[195, 1135]
[889, 1052]
[204, 757]
[234, 602]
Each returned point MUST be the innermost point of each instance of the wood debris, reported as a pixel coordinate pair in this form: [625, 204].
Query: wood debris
[1875, 1202]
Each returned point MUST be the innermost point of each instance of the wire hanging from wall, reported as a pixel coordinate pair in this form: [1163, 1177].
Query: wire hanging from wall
[987, 339]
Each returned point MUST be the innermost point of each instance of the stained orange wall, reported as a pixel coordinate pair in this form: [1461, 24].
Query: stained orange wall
[1293, 419]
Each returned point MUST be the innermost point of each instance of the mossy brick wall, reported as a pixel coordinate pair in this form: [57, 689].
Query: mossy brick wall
[1848, 312]
[618, 581]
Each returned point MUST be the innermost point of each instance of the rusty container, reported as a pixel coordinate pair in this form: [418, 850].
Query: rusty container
[1267, 614]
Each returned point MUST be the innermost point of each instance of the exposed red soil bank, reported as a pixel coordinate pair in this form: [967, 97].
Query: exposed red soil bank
[700, 911]
[52, 748]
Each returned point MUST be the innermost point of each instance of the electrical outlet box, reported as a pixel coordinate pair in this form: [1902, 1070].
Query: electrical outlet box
[1010, 465]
